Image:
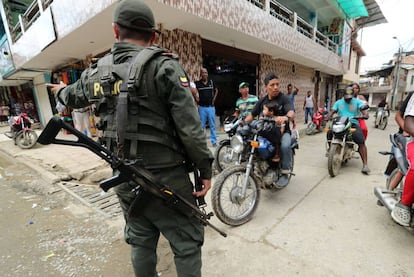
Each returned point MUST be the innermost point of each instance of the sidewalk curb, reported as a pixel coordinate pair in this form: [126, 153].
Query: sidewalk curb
[45, 174]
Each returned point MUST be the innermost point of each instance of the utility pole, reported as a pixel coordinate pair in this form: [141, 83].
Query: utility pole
[396, 76]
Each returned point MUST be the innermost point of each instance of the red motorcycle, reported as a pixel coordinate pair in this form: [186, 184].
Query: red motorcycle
[319, 120]
[21, 132]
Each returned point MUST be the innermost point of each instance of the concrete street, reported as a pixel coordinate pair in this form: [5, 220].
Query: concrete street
[317, 226]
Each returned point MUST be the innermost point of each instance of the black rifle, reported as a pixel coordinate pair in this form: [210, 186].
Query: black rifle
[144, 179]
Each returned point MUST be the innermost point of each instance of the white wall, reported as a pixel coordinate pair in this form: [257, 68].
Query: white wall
[410, 80]
[42, 99]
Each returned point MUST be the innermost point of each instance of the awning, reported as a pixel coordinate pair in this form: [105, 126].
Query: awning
[353, 8]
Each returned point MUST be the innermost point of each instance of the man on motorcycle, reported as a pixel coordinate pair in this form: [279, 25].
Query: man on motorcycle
[284, 115]
[245, 104]
[350, 106]
[384, 105]
[402, 210]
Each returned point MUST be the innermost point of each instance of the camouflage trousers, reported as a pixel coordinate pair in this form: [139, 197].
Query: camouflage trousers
[142, 232]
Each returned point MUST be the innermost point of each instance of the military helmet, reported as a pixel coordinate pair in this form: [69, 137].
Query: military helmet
[135, 15]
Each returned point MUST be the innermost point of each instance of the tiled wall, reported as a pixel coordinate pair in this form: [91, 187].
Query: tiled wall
[187, 46]
[289, 73]
[242, 16]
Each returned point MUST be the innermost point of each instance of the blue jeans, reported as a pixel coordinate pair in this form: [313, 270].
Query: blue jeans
[208, 113]
[308, 111]
[286, 152]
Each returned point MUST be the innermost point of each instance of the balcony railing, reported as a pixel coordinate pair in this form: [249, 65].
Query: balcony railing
[258, 3]
[281, 13]
[275, 9]
[300, 25]
[32, 12]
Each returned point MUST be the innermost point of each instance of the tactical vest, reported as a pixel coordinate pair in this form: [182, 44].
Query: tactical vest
[136, 121]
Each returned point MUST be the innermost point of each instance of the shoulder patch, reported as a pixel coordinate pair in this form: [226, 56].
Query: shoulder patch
[184, 81]
[170, 55]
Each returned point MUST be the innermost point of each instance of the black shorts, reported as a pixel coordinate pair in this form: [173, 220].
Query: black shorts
[358, 136]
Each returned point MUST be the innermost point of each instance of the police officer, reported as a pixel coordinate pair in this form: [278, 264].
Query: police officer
[162, 133]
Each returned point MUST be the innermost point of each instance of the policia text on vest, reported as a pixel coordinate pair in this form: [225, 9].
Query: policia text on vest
[98, 90]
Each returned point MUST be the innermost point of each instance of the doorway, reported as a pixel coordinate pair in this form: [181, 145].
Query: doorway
[228, 67]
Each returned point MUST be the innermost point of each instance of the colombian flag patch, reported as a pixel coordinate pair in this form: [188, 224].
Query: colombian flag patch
[184, 81]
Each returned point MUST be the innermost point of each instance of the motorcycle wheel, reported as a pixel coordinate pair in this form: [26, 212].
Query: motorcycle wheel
[334, 159]
[223, 156]
[310, 130]
[228, 206]
[26, 140]
[383, 123]
[392, 176]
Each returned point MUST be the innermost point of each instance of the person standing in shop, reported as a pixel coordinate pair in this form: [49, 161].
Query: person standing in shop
[309, 106]
[207, 92]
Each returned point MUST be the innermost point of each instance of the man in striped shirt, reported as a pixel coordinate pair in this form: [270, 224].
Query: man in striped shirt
[245, 104]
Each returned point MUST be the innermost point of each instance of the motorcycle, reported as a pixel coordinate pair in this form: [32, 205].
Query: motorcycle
[236, 190]
[381, 118]
[319, 120]
[341, 147]
[224, 156]
[396, 169]
[21, 132]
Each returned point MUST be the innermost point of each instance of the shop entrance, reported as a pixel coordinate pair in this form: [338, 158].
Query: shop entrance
[17, 100]
[228, 67]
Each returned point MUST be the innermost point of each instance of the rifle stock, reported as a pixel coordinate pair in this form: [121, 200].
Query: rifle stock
[128, 171]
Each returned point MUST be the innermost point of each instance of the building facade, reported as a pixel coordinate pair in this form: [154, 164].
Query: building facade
[308, 43]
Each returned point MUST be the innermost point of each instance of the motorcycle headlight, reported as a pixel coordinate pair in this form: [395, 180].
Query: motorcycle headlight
[227, 127]
[237, 144]
[336, 128]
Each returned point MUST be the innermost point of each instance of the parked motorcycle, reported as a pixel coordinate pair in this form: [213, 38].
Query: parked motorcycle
[224, 156]
[236, 190]
[341, 147]
[21, 132]
[381, 118]
[396, 169]
[319, 120]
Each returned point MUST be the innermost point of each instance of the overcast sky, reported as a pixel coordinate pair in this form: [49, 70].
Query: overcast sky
[377, 41]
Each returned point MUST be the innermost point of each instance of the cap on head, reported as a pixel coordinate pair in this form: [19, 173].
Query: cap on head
[348, 94]
[135, 15]
[243, 84]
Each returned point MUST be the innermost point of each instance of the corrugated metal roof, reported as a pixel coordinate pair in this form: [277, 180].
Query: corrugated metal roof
[375, 15]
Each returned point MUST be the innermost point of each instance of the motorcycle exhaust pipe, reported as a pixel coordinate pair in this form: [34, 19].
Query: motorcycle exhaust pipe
[386, 197]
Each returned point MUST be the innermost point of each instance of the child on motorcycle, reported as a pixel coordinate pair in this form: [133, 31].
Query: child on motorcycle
[272, 131]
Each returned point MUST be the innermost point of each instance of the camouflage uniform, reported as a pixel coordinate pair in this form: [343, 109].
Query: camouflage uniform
[181, 127]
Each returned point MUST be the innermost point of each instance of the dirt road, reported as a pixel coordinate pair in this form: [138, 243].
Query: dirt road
[44, 232]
